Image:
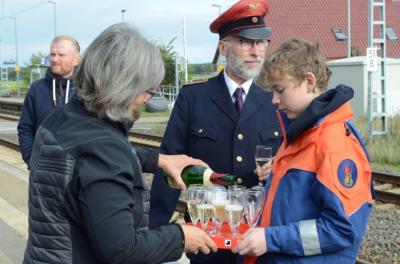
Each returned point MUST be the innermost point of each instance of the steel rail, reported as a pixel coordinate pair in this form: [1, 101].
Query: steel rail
[386, 177]
[386, 196]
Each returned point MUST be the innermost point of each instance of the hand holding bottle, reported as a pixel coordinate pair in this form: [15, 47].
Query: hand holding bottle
[197, 240]
[174, 164]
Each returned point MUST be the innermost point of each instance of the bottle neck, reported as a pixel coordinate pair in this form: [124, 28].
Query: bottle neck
[216, 178]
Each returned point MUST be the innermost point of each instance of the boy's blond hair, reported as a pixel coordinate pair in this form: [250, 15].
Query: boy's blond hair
[293, 59]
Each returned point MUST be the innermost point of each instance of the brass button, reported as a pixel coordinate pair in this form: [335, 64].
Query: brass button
[276, 133]
[240, 136]
[200, 130]
[239, 158]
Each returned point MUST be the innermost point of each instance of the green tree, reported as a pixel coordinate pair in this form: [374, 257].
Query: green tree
[34, 60]
[168, 55]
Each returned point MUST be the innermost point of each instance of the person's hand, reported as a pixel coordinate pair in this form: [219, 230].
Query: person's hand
[197, 240]
[253, 243]
[174, 164]
[264, 171]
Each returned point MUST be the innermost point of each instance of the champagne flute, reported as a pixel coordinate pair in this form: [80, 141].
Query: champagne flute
[220, 199]
[263, 155]
[212, 188]
[236, 187]
[234, 210]
[204, 208]
[192, 200]
[254, 206]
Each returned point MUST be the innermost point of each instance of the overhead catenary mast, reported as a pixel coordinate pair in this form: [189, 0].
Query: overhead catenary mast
[184, 49]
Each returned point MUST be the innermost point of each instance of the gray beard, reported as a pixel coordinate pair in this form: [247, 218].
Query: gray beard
[238, 67]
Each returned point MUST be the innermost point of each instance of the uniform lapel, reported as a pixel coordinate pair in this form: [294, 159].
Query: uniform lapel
[221, 97]
[253, 101]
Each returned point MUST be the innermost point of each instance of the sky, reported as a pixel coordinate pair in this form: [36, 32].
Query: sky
[158, 20]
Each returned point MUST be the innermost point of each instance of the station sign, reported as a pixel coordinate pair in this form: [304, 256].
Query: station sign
[372, 59]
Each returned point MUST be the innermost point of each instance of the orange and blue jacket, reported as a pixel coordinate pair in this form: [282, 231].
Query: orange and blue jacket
[319, 192]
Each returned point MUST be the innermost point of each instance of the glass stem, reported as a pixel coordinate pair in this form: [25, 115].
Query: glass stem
[204, 226]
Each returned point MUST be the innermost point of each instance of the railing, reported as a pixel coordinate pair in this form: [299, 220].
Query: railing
[170, 93]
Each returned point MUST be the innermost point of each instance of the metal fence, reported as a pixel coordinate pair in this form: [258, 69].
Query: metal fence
[170, 92]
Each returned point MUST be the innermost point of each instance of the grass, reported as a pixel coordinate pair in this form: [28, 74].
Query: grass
[11, 87]
[144, 113]
[384, 150]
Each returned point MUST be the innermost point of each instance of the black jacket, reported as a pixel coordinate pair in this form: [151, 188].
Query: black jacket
[85, 195]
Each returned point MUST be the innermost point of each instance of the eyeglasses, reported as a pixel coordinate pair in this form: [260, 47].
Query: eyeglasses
[247, 44]
[152, 92]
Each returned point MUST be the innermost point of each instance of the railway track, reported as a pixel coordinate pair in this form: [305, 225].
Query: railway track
[10, 109]
[387, 185]
[145, 140]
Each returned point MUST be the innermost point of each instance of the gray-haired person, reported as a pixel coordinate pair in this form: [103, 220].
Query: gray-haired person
[86, 187]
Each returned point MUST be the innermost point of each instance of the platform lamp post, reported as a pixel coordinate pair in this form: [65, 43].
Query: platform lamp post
[219, 8]
[219, 63]
[17, 68]
[348, 28]
[122, 15]
[54, 15]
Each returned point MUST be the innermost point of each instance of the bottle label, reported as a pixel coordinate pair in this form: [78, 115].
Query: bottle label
[207, 177]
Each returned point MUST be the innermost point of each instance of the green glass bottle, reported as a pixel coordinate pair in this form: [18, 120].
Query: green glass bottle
[203, 175]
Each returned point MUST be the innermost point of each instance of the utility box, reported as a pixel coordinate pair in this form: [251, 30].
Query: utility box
[353, 72]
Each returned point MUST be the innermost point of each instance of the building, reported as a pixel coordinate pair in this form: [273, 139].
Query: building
[325, 22]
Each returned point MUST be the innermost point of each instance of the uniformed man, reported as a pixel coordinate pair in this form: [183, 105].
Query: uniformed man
[223, 119]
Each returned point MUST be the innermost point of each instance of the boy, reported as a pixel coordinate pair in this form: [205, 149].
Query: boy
[319, 192]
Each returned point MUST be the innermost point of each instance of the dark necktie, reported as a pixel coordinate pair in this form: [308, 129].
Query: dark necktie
[239, 99]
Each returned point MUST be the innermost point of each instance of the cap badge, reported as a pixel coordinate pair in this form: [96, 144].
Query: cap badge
[254, 19]
[254, 5]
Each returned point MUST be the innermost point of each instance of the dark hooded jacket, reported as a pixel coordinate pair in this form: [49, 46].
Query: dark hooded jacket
[37, 106]
[86, 194]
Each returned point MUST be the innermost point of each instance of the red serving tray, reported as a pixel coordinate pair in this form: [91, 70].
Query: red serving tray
[225, 240]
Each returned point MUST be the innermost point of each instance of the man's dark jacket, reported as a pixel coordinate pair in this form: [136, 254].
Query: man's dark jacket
[38, 105]
[85, 195]
[204, 124]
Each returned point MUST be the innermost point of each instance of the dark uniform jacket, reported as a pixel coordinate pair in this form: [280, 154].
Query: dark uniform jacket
[204, 124]
[85, 195]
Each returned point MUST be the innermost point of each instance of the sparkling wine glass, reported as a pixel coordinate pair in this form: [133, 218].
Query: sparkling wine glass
[205, 209]
[220, 199]
[234, 210]
[212, 188]
[236, 187]
[192, 200]
[254, 205]
[262, 156]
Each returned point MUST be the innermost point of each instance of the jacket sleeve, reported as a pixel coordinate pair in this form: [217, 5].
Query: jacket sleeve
[163, 199]
[111, 206]
[148, 158]
[331, 231]
[26, 127]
